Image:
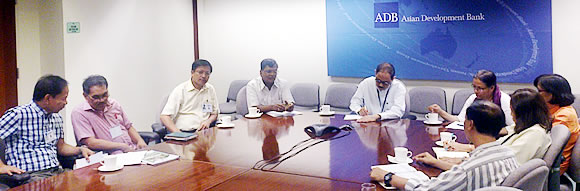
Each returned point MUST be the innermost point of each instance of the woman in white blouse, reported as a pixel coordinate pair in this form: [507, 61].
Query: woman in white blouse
[484, 88]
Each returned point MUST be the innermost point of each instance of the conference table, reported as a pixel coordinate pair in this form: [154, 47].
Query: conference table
[253, 155]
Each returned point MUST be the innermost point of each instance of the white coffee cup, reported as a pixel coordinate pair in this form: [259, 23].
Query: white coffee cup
[226, 120]
[432, 117]
[325, 109]
[402, 153]
[109, 162]
[447, 136]
[253, 110]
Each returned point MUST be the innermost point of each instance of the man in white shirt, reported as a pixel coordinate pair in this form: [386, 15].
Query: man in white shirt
[193, 104]
[268, 92]
[380, 97]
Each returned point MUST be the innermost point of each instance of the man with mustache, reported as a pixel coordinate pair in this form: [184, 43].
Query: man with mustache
[380, 97]
[268, 92]
[193, 104]
[100, 122]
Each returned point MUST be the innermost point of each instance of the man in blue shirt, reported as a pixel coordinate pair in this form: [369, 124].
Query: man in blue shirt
[33, 133]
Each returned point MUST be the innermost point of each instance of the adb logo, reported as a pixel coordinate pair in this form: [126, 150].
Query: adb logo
[387, 15]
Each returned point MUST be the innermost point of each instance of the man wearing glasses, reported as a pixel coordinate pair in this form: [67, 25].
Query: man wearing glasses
[380, 97]
[100, 123]
[193, 104]
[268, 92]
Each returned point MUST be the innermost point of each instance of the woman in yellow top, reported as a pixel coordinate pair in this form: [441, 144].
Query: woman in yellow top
[558, 96]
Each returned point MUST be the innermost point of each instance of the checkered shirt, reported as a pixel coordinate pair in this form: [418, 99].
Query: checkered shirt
[24, 130]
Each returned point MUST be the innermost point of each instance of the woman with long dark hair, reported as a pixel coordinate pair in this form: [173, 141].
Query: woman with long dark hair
[558, 96]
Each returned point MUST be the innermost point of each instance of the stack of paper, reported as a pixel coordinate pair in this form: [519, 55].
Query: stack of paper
[455, 125]
[441, 153]
[352, 117]
[131, 158]
[155, 157]
[95, 158]
[402, 170]
[284, 113]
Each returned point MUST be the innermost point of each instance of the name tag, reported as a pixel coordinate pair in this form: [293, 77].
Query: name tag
[50, 137]
[116, 131]
[206, 108]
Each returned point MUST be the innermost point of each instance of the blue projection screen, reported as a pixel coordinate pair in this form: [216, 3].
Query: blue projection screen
[440, 40]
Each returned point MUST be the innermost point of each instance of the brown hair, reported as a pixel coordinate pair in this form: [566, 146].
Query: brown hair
[529, 109]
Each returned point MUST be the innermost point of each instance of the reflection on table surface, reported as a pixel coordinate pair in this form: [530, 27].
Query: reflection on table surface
[348, 158]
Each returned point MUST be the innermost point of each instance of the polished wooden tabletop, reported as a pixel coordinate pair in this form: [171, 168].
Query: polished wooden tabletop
[347, 159]
[261, 180]
[175, 175]
[226, 158]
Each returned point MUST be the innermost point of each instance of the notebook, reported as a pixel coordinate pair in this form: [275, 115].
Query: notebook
[180, 136]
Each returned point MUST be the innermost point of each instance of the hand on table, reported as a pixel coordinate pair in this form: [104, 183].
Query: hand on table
[455, 146]
[369, 118]
[378, 174]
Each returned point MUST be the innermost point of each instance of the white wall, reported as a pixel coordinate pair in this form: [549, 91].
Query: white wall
[236, 35]
[27, 48]
[143, 47]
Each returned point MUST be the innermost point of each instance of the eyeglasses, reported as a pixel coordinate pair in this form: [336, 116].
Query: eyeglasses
[100, 97]
[475, 88]
[385, 83]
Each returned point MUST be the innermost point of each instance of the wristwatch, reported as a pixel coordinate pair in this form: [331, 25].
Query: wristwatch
[388, 178]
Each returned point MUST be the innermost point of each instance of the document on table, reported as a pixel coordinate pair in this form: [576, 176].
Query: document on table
[455, 125]
[95, 158]
[283, 113]
[131, 158]
[402, 170]
[441, 152]
[352, 117]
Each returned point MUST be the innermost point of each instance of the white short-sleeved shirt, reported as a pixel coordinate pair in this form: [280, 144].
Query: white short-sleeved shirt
[185, 103]
[505, 106]
[258, 94]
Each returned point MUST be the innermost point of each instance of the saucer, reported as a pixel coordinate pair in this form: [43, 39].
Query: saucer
[225, 125]
[439, 143]
[104, 169]
[394, 160]
[328, 113]
[433, 123]
[253, 116]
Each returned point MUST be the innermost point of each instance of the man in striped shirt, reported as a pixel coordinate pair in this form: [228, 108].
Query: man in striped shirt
[488, 165]
[33, 133]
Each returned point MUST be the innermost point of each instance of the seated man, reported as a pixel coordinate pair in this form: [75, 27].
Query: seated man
[34, 133]
[100, 122]
[488, 165]
[380, 97]
[193, 104]
[268, 92]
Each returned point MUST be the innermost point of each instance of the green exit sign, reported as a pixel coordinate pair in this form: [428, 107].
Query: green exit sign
[73, 27]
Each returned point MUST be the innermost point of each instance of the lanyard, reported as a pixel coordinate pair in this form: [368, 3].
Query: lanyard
[384, 101]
